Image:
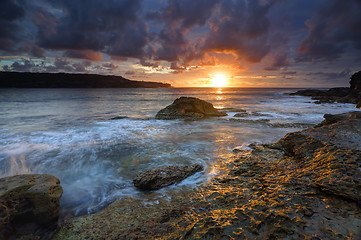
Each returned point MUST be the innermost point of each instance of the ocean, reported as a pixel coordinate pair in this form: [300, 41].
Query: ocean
[70, 134]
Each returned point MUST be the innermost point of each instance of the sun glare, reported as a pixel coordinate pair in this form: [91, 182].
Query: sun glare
[219, 80]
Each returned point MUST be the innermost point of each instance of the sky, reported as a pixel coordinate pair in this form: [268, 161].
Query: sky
[187, 43]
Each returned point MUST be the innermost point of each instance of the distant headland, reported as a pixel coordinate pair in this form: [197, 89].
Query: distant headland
[71, 80]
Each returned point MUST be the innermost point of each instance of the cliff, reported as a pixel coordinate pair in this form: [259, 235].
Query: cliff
[69, 80]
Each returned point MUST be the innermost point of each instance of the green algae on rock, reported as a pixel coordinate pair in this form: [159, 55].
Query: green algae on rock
[28, 203]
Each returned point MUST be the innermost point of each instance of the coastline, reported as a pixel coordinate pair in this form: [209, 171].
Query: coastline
[306, 185]
[71, 80]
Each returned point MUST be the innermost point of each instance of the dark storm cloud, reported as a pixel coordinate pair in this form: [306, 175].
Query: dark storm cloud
[179, 33]
[278, 61]
[107, 26]
[178, 18]
[333, 30]
[11, 12]
[241, 27]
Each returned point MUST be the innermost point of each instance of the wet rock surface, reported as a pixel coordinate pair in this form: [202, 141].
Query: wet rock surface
[29, 205]
[305, 186]
[158, 178]
[189, 108]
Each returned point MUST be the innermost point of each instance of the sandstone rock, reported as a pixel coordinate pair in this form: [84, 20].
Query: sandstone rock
[28, 199]
[161, 177]
[189, 108]
[333, 118]
[331, 154]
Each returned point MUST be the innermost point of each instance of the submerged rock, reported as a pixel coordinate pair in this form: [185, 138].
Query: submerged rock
[229, 109]
[161, 177]
[242, 114]
[189, 108]
[28, 203]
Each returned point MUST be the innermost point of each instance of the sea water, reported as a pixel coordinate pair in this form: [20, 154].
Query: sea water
[70, 134]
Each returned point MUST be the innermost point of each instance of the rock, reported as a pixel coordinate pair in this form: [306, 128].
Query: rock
[31, 199]
[331, 154]
[161, 177]
[255, 121]
[355, 82]
[243, 114]
[341, 95]
[333, 118]
[189, 108]
[118, 117]
[260, 193]
[358, 105]
[233, 110]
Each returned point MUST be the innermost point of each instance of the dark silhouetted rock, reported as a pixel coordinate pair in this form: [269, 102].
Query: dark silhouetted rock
[161, 177]
[28, 203]
[189, 108]
[340, 95]
[355, 82]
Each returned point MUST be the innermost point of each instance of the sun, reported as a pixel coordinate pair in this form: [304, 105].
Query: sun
[219, 80]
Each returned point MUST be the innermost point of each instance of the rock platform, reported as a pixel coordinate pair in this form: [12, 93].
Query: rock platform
[305, 186]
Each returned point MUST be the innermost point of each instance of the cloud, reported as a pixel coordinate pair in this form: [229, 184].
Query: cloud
[333, 30]
[88, 26]
[278, 61]
[24, 65]
[145, 63]
[110, 66]
[84, 54]
[11, 13]
[241, 27]
[178, 17]
[132, 73]
[345, 74]
[59, 65]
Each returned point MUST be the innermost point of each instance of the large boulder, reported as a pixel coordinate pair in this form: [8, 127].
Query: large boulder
[155, 179]
[28, 203]
[188, 108]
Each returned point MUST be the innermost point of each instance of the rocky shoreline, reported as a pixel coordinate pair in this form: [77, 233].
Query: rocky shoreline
[305, 186]
[350, 94]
